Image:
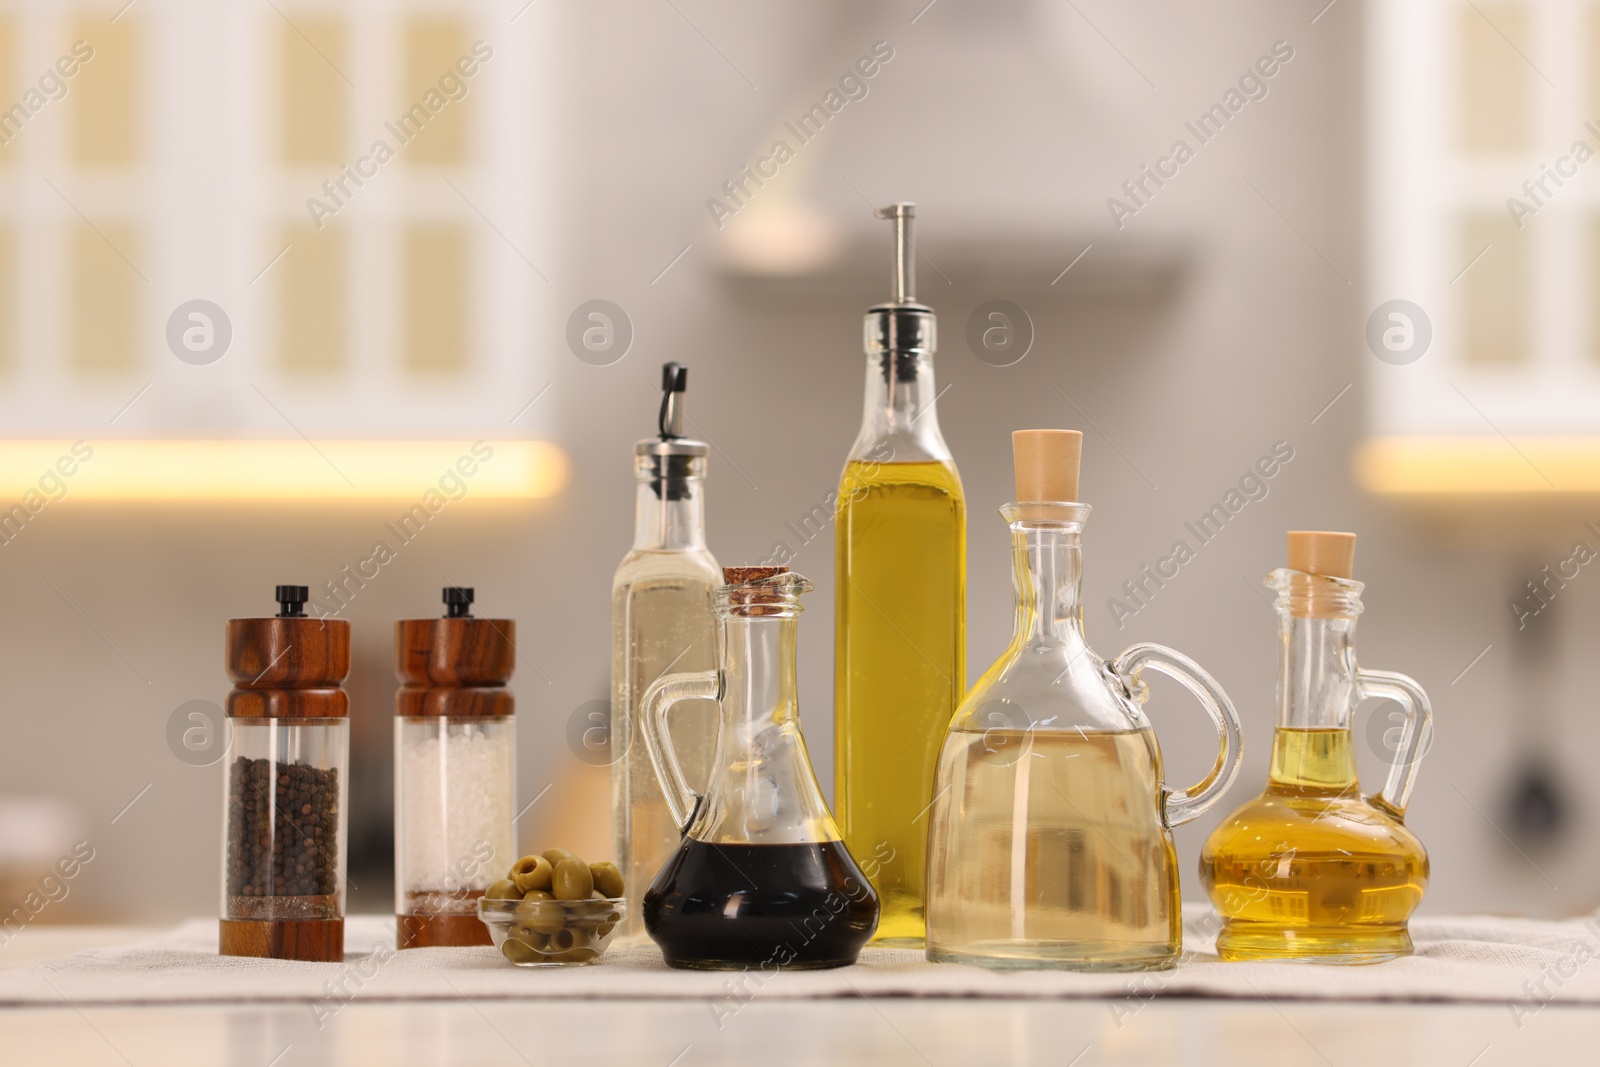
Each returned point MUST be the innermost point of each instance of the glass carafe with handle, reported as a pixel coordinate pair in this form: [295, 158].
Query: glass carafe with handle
[1311, 869]
[761, 877]
[1050, 839]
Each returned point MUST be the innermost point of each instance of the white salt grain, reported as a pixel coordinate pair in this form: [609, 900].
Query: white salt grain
[455, 808]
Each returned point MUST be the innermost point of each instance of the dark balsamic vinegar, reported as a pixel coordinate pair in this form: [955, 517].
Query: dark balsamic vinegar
[732, 906]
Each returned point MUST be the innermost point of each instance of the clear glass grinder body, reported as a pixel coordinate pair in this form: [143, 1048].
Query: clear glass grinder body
[661, 622]
[285, 846]
[1049, 839]
[761, 877]
[1311, 869]
[453, 807]
[454, 773]
[900, 603]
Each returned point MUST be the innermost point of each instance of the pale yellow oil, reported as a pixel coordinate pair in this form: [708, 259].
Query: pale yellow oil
[1309, 869]
[662, 624]
[1049, 851]
[900, 669]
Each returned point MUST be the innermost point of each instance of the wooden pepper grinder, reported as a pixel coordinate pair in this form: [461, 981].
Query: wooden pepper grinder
[455, 771]
[283, 865]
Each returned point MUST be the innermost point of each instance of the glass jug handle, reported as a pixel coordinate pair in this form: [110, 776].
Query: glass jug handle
[1396, 792]
[1184, 804]
[658, 700]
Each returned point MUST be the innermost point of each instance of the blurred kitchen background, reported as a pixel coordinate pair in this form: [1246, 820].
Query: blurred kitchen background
[1339, 156]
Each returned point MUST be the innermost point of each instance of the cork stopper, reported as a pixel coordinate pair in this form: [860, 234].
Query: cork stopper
[1316, 555]
[1331, 555]
[1047, 463]
[748, 599]
[746, 575]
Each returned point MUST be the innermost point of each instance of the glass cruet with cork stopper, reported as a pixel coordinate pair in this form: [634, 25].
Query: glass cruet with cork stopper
[760, 877]
[454, 771]
[660, 621]
[1311, 869]
[283, 837]
[900, 600]
[1050, 840]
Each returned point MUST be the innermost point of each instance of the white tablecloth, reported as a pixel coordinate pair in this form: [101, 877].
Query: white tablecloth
[1520, 962]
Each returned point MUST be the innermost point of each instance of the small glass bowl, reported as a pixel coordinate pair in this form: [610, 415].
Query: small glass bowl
[551, 933]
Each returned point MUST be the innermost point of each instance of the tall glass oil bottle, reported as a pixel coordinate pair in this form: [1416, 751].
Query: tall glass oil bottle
[1311, 869]
[661, 623]
[900, 622]
[1050, 832]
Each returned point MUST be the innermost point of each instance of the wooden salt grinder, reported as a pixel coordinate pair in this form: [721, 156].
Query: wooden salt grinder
[456, 667]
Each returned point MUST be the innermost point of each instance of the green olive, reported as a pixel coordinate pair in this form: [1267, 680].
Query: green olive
[604, 930]
[519, 951]
[532, 872]
[530, 901]
[572, 880]
[576, 955]
[556, 855]
[504, 889]
[607, 879]
[545, 916]
[563, 939]
[530, 937]
[532, 904]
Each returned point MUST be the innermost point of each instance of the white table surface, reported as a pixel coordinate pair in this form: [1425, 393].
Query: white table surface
[683, 1034]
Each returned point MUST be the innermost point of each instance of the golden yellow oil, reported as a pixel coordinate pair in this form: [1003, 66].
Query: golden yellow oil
[1049, 850]
[1309, 869]
[899, 668]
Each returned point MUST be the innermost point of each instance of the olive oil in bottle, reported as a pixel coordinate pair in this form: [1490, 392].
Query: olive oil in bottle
[900, 603]
[1311, 869]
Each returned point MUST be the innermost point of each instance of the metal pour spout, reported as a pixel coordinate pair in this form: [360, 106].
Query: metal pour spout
[674, 382]
[905, 253]
[901, 325]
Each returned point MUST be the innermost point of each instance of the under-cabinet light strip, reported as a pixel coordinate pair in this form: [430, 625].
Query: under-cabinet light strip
[35, 472]
[1479, 465]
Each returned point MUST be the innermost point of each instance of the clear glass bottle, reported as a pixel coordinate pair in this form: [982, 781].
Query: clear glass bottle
[286, 786]
[661, 621]
[1311, 869]
[900, 602]
[1050, 839]
[454, 771]
[760, 877]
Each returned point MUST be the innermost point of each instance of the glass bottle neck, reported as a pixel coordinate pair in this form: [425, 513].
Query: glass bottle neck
[900, 410]
[669, 512]
[1316, 673]
[1047, 573]
[1311, 749]
[762, 788]
[758, 665]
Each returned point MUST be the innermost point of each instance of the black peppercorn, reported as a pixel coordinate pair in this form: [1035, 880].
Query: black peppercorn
[280, 836]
